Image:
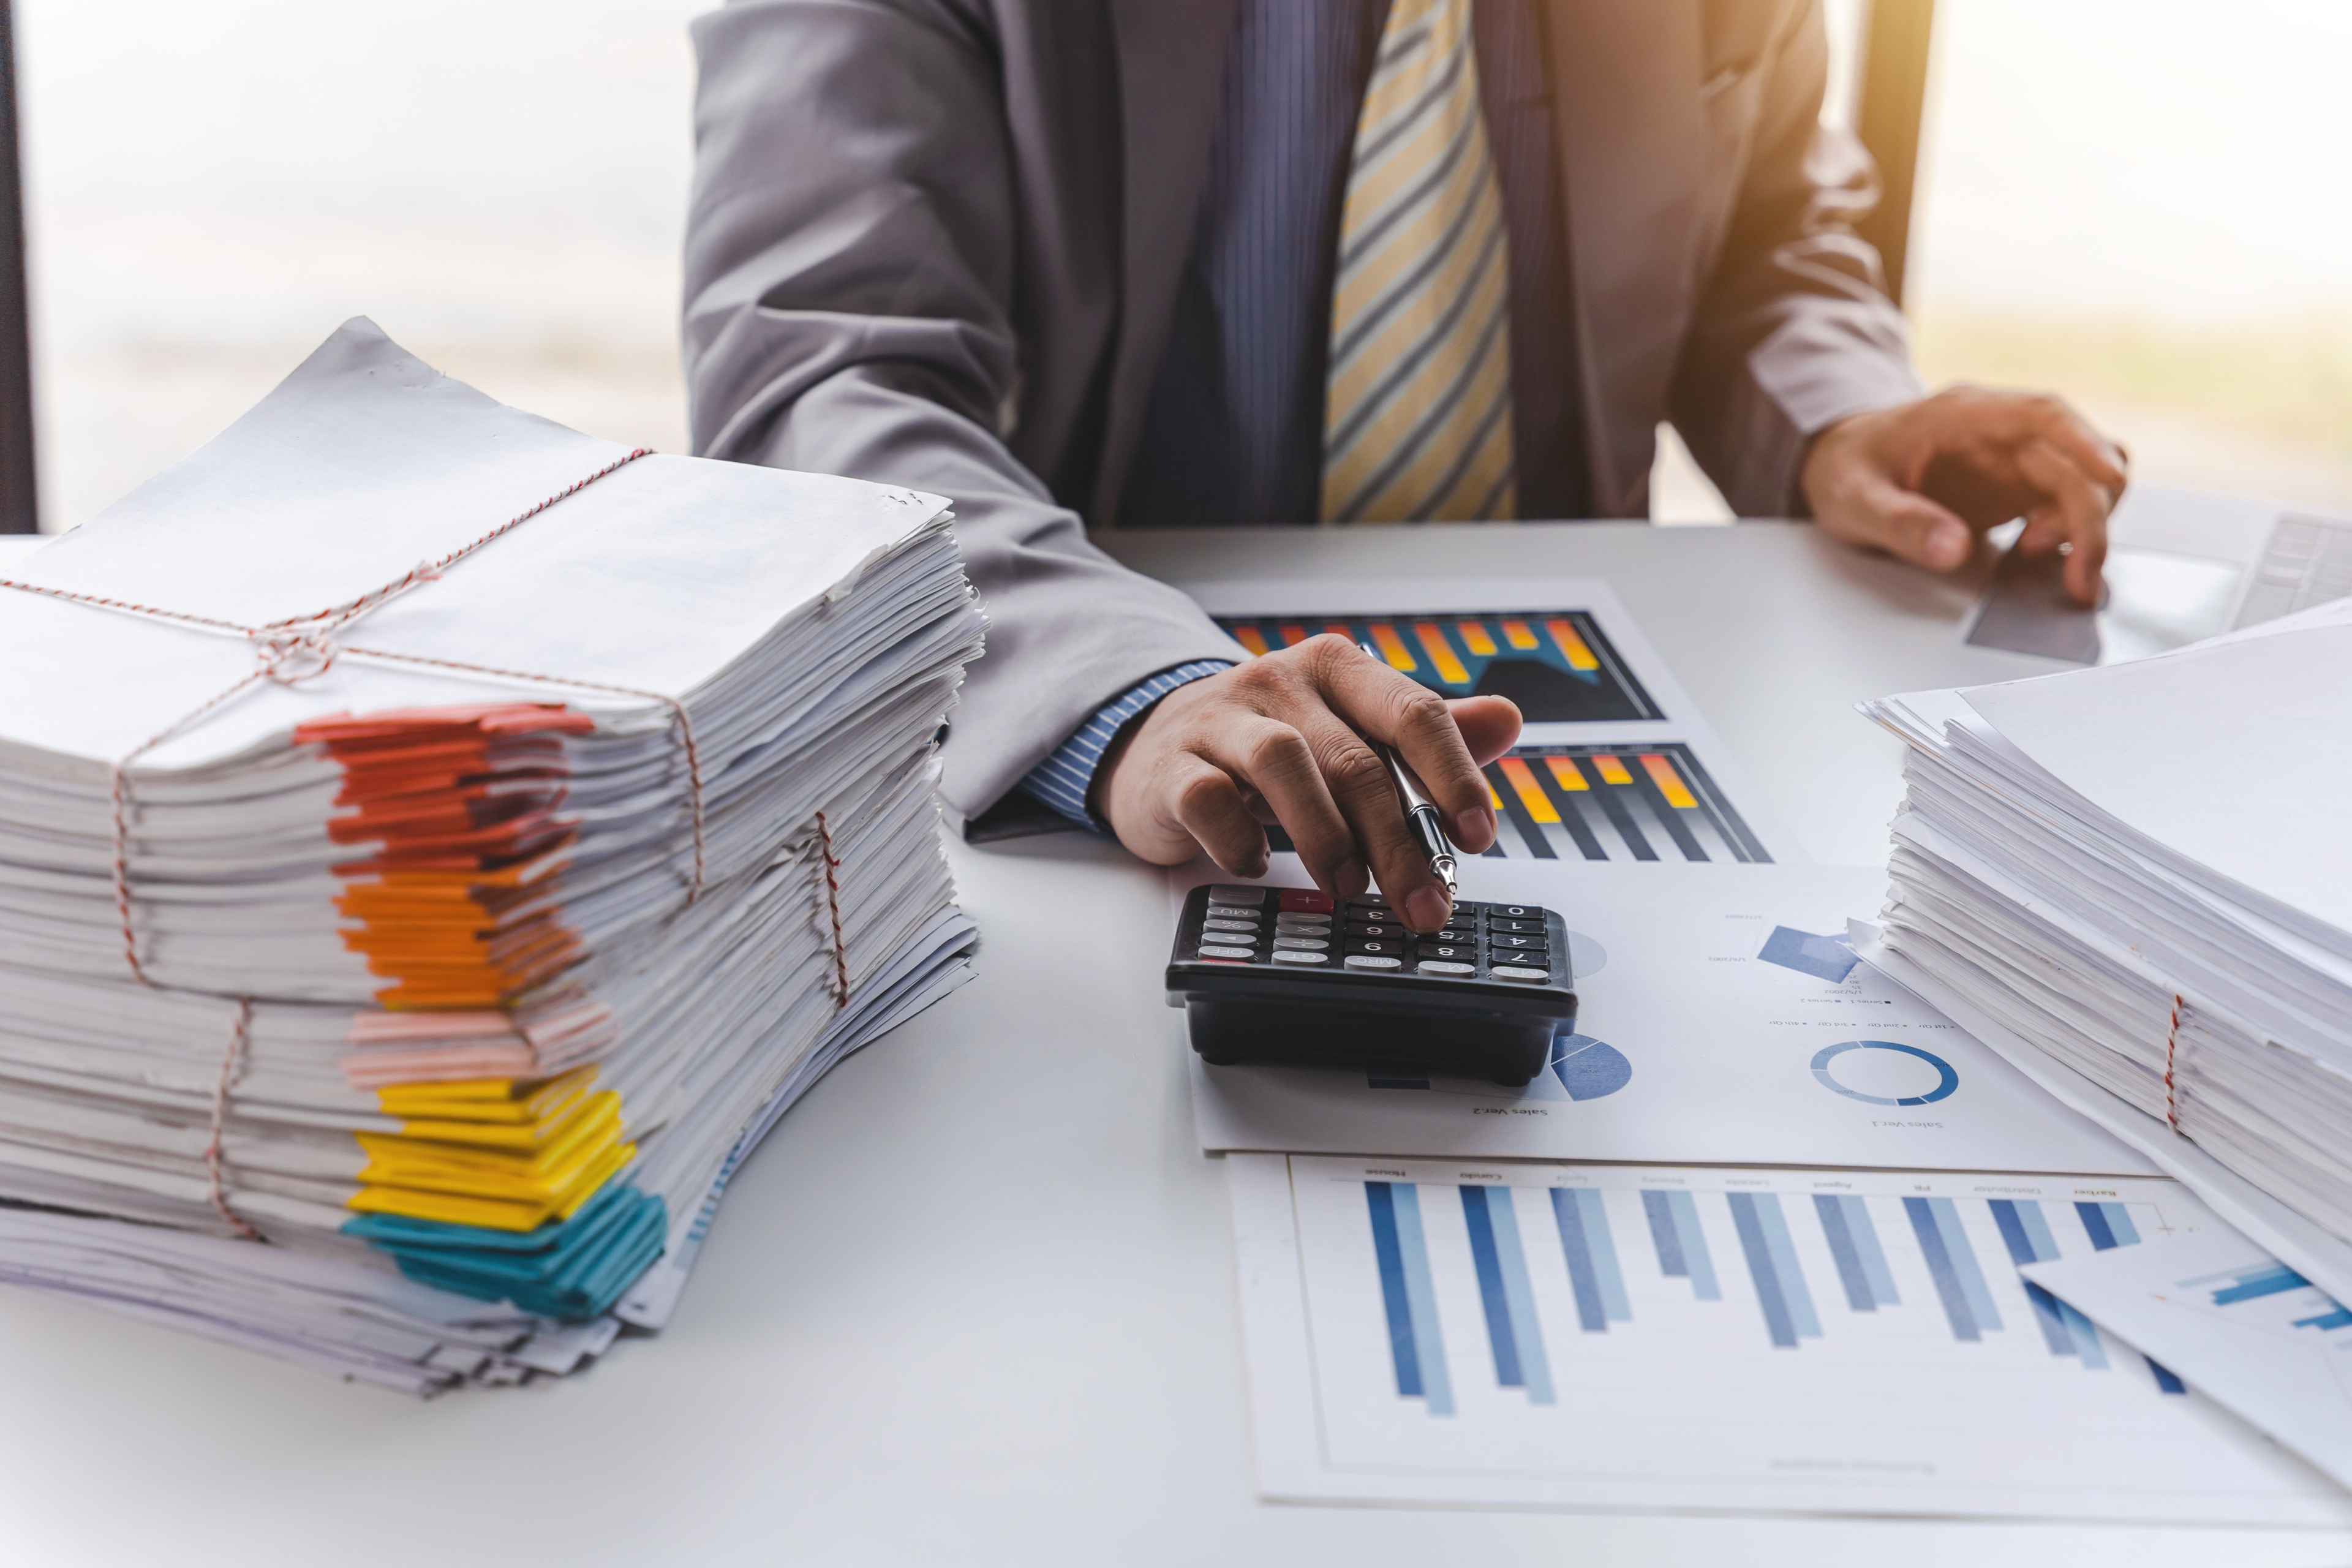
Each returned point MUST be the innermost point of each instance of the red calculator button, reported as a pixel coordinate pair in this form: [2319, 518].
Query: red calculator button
[1305, 901]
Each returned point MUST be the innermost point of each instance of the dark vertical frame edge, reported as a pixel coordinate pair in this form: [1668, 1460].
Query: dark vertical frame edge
[1888, 111]
[20, 497]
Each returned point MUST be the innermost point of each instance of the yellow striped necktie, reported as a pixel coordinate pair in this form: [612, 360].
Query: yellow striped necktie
[1417, 408]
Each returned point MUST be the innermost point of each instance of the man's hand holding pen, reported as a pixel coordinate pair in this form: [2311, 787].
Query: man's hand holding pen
[1282, 739]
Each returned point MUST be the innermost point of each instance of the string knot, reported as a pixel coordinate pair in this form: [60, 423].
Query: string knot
[286, 657]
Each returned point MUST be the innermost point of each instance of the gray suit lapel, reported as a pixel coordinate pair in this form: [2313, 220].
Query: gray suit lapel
[1625, 78]
[1171, 58]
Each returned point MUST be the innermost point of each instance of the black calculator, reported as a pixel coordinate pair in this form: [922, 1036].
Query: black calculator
[1290, 974]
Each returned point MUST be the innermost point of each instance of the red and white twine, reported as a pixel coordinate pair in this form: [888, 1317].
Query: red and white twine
[2171, 1044]
[832, 908]
[298, 648]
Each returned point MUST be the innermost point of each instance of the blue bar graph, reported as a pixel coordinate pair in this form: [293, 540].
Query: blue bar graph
[1682, 1245]
[1406, 1290]
[2027, 1236]
[2108, 1225]
[2273, 1280]
[2334, 1318]
[1784, 1265]
[1592, 1272]
[1952, 1265]
[1854, 1245]
[1780, 1293]
[2167, 1380]
[1501, 1264]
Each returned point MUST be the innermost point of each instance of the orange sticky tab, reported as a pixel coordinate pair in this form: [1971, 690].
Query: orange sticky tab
[1530, 793]
[1571, 646]
[1670, 783]
[1566, 774]
[1431, 638]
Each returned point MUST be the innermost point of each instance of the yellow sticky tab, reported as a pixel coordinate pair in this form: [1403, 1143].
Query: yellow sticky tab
[497, 1099]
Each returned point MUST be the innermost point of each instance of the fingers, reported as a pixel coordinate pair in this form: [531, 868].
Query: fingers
[2075, 509]
[1417, 722]
[1206, 801]
[1871, 509]
[1489, 725]
[1361, 785]
[1279, 762]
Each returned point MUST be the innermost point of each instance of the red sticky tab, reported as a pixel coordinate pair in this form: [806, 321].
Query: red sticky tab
[1305, 901]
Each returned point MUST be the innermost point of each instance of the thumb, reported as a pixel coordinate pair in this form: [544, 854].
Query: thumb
[1903, 523]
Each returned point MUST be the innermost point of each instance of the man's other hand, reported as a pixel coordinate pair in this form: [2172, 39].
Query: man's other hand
[1924, 481]
[1280, 739]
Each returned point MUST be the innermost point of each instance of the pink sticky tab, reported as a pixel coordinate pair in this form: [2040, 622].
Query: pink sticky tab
[1305, 901]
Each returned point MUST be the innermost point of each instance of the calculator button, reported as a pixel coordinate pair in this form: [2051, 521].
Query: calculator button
[1506, 941]
[1374, 928]
[1302, 958]
[1224, 893]
[1386, 945]
[1228, 925]
[1231, 912]
[1231, 937]
[1300, 945]
[1223, 952]
[1306, 901]
[1454, 952]
[1524, 975]
[1453, 933]
[1523, 927]
[1515, 911]
[1374, 909]
[1302, 922]
[1432, 966]
[1370, 961]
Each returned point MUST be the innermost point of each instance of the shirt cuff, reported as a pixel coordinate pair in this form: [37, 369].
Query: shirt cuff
[1063, 779]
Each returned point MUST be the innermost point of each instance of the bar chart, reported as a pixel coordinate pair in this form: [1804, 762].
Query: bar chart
[1556, 665]
[1710, 1336]
[1591, 802]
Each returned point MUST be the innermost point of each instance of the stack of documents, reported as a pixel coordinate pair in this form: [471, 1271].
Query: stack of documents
[435, 845]
[2138, 877]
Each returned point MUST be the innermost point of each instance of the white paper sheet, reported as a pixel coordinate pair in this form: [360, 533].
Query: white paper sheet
[1526, 1335]
[1695, 1039]
[2235, 1324]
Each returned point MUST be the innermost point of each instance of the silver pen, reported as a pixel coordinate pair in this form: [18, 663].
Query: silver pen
[1426, 823]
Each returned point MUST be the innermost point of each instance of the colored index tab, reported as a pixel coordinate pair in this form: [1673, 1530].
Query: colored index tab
[1566, 774]
[1530, 793]
[1611, 770]
[1392, 648]
[1475, 638]
[1253, 640]
[1441, 653]
[1570, 644]
[1516, 634]
[1670, 783]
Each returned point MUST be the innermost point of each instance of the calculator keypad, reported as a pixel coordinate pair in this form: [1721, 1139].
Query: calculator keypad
[1500, 941]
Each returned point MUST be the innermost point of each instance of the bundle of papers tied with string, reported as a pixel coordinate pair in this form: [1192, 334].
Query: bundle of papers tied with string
[2136, 881]
[449, 915]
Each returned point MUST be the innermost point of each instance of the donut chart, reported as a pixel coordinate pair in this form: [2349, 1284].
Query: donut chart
[1947, 1080]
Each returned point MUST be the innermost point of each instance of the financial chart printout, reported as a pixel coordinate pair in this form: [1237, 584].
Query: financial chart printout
[1719, 1337]
[1556, 665]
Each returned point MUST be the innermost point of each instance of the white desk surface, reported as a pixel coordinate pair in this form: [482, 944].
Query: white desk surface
[973, 1302]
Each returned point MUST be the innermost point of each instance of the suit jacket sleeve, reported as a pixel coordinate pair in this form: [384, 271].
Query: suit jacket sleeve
[1795, 329]
[849, 274]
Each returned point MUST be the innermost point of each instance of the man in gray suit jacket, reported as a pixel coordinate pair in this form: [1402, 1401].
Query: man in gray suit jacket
[1100, 263]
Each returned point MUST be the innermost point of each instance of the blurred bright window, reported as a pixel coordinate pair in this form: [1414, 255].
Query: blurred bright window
[2138, 202]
